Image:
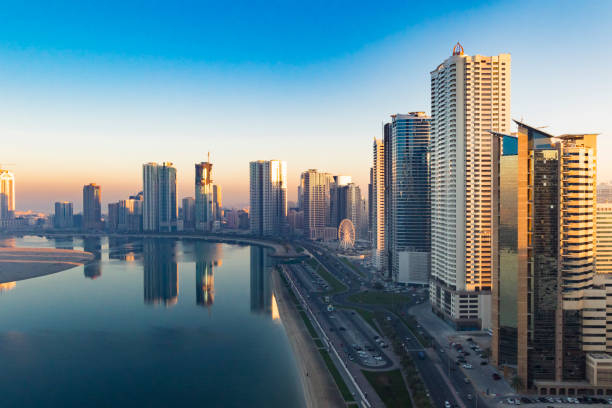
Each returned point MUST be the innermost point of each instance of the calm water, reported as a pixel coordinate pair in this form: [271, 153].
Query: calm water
[152, 322]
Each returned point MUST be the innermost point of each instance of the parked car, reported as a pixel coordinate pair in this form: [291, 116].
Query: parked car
[496, 376]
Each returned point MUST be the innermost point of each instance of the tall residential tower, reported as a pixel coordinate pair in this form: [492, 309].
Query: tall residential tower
[268, 197]
[377, 202]
[92, 207]
[470, 95]
[160, 205]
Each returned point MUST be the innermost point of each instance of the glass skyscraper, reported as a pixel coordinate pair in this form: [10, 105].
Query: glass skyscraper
[409, 233]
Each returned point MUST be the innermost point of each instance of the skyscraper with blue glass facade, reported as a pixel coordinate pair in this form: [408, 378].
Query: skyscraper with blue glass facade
[409, 232]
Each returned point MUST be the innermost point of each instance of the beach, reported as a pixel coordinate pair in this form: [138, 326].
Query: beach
[24, 263]
[320, 390]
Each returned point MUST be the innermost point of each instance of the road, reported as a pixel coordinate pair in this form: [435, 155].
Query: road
[442, 378]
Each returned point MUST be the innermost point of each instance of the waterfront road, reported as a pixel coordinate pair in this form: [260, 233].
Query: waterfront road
[441, 376]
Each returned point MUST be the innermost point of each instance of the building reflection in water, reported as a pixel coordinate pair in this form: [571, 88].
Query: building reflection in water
[124, 248]
[93, 269]
[64, 242]
[5, 287]
[160, 272]
[261, 292]
[207, 257]
[8, 242]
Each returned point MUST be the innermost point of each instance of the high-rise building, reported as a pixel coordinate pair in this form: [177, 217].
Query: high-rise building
[301, 193]
[337, 199]
[217, 202]
[129, 214]
[470, 95]
[370, 206]
[188, 213]
[409, 220]
[268, 197]
[387, 197]
[363, 231]
[204, 213]
[377, 219]
[604, 237]
[548, 306]
[160, 206]
[92, 207]
[112, 220]
[7, 194]
[349, 203]
[63, 217]
[316, 201]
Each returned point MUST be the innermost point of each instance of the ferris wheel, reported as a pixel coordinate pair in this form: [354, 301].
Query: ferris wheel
[346, 234]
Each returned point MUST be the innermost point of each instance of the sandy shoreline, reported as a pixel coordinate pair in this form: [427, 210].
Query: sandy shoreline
[24, 263]
[319, 387]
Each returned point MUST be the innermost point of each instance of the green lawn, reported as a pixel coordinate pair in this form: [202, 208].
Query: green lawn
[309, 325]
[368, 316]
[335, 285]
[319, 343]
[380, 298]
[352, 266]
[346, 394]
[390, 386]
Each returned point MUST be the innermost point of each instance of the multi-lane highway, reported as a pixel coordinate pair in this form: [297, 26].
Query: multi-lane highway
[443, 379]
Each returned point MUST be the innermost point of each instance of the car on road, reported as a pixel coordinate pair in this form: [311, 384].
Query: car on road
[467, 366]
[483, 362]
[447, 404]
[496, 376]
[466, 380]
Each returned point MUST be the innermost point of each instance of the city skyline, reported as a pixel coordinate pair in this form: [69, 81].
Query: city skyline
[94, 91]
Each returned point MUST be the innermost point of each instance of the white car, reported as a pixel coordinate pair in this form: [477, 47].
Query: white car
[468, 366]
[447, 404]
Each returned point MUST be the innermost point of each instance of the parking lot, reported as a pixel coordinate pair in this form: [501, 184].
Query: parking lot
[359, 344]
[556, 402]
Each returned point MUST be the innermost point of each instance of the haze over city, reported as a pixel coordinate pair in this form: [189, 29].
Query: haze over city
[309, 205]
[90, 94]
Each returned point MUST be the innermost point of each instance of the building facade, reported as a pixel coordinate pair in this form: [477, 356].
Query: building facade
[217, 202]
[409, 218]
[7, 195]
[204, 214]
[377, 219]
[317, 203]
[604, 238]
[63, 217]
[548, 304]
[470, 95]
[92, 207]
[268, 197]
[160, 205]
[188, 213]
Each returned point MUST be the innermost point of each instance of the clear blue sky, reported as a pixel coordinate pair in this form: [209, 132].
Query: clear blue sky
[91, 90]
